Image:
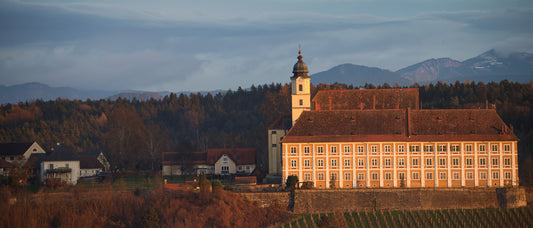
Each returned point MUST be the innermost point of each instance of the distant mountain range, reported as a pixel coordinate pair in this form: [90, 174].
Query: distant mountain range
[489, 66]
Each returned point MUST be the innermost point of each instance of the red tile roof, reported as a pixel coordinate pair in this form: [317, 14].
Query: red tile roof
[399, 125]
[366, 99]
[179, 158]
[241, 156]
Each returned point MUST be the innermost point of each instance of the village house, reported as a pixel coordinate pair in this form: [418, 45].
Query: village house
[215, 161]
[11, 152]
[61, 165]
[92, 163]
[381, 139]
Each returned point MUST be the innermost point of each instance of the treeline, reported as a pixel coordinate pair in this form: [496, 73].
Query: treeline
[133, 134]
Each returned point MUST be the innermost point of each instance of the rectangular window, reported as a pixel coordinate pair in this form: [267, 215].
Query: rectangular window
[387, 161]
[333, 162]
[442, 161]
[495, 175]
[442, 148]
[320, 176]
[482, 148]
[360, 176]
[320, 149]
[360, 149]
[506, 147]
[300, 87]
[482, 161]
[507, 161]
[401, 148]
[469, 175]
[301, 102]
[483, 175]
[401, 176]
[274, 145]
[494, 162]
[333, 149]
[468, 161]
[429, 161]
[224, 160]
[320, 162]
[507, 175]
[374, 162]
[346, 149]
[225, 168]
[387, 148]
[333, 176]
[455, 161]
[456, 176]
[307, 163]
[429, 176]
[306, 149]
[442, 175]
[494, 147]
[468, 148]
[307, 176]
[293, 150]
[388, 176]
[415, 175]
[375, 176]
[347, 163]
[414, 148]
[455, 148]
[428, 148]
[401, 162]
[415, 162]
[293, 163]
[373, 149]
[347, 176]
[361, 162]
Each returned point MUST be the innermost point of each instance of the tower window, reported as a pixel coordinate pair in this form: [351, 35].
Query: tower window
[300, 88]
[301, 102]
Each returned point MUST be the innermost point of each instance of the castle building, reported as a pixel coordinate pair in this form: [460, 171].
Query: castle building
[380, 138]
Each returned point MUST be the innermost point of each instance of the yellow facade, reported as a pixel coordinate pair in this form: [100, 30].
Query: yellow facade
[403, 164]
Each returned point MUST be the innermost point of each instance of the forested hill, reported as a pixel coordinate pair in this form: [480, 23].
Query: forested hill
[133, 134]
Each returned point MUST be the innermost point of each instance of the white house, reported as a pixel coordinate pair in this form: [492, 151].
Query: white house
[61, 165]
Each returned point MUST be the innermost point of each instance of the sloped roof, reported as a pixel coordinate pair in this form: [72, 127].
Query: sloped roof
[241, 156]
[399, 125]
[282, 122]
[366, 99]
[89, 162]
[179, 158]
[14, 149]
[61, 154]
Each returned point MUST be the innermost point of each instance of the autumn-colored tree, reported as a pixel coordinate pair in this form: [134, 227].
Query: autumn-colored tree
[123, 137]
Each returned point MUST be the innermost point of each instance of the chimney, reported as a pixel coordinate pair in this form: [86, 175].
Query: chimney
[408, 122]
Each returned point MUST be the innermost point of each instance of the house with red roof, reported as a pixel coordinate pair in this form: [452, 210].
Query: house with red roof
[213, 161]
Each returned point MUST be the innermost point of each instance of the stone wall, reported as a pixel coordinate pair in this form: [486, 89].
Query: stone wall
[265, 199]
[341, 200]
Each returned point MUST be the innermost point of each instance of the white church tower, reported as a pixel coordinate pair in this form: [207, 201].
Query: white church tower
[300, 89]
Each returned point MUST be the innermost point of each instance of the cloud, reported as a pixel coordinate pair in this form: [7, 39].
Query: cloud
[188, 46]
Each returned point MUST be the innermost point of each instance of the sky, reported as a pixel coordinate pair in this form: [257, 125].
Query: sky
[207, 45]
